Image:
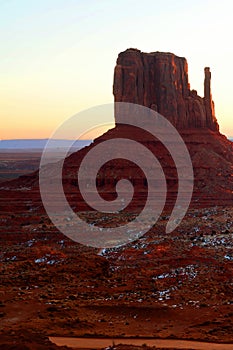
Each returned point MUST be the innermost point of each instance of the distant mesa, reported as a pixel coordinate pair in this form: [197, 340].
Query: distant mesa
[38, 144]
[159, 81]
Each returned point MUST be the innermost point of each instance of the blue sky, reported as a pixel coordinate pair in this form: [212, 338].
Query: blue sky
[57, 57]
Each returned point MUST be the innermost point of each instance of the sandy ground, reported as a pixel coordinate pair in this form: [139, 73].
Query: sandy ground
[176, 287]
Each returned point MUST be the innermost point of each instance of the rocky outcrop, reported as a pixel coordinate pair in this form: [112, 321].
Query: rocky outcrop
[160, 81]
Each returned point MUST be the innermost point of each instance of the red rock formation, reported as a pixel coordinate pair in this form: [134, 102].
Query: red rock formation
[160, 81]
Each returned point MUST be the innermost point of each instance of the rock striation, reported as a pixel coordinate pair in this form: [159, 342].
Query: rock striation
[160, 81]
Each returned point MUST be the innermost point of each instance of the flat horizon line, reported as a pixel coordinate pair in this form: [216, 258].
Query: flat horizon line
[45, 139]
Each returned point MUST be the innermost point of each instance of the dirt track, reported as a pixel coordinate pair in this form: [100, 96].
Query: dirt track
[105, 342]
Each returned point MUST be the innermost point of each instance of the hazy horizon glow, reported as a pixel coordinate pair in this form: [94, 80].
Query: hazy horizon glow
[58, 56]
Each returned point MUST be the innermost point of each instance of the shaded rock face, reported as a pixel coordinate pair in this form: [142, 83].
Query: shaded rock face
[160, 81]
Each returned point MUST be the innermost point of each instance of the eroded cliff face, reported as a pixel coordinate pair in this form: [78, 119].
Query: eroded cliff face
[160, 81]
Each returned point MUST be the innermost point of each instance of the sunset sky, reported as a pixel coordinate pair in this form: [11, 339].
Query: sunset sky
[58, 56]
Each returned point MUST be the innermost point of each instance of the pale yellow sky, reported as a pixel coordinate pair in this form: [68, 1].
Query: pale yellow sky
[57, 57]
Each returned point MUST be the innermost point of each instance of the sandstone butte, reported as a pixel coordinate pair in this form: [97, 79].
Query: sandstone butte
[159, 81]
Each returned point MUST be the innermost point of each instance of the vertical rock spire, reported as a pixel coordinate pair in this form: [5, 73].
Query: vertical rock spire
[209, 104]
[207, 83]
